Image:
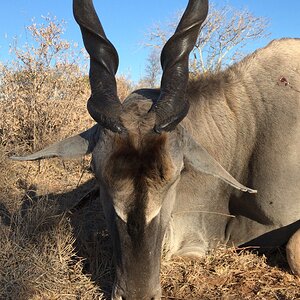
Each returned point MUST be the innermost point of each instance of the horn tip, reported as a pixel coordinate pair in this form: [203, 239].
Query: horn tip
[250, 191]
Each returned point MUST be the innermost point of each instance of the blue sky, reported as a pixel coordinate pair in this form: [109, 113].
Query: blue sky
[126, 22]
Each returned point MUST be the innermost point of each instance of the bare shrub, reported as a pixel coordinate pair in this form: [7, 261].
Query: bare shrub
[125, 86]
[43, 91]
[222, 39]
[152, 71]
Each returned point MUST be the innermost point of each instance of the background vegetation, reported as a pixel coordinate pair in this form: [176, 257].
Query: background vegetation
[53, 239]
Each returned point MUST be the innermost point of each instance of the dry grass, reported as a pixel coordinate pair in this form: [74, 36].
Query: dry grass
[51, 247]
[38, 259]
[227, 274]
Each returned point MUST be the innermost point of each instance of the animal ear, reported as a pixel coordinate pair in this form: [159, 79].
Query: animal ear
[197, 156]
[75, 146]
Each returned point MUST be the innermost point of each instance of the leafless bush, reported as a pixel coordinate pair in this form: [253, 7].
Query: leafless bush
[222, 39]
[43, 91]
[125, 86]
[152, 71]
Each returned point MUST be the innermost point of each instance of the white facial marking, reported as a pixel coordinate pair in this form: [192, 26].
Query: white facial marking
[151, 215]
[121, 214]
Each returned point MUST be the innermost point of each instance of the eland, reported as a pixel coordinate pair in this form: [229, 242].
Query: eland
[178, 167]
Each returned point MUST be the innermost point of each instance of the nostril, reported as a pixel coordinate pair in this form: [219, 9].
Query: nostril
[123, 298]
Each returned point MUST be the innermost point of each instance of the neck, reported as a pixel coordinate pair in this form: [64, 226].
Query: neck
[221, 119]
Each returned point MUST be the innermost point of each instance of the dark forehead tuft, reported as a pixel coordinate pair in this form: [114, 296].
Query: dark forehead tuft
[146, 157]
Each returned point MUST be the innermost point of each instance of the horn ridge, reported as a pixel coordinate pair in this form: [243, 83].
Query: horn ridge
[104, 105]
[172, 106]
